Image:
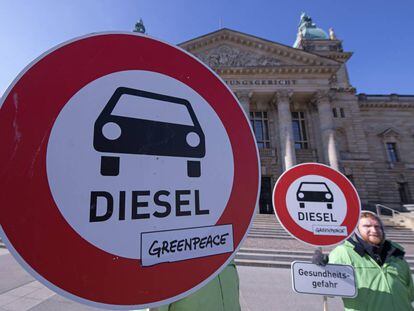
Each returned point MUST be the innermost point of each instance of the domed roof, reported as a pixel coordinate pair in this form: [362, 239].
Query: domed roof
[308, 30]
[314, 34]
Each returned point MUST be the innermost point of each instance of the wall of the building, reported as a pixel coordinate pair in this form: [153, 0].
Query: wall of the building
[389, 119]
[360, 143]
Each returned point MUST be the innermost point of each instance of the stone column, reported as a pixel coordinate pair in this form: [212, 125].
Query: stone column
[287, 145]
[244, 99]
[330, 151]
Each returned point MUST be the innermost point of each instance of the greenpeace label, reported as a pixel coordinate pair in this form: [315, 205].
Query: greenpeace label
[330, 230]
[176, 245]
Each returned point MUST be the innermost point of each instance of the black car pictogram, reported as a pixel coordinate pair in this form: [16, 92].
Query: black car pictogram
[314, 192]
[147, 134]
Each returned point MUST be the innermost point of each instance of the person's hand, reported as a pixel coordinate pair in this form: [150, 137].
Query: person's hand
[320, 259]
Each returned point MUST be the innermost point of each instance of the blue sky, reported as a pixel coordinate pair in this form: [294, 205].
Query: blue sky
[378, 32]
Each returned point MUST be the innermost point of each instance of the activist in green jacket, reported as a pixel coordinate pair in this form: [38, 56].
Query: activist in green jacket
[220, 294]
[382, 275]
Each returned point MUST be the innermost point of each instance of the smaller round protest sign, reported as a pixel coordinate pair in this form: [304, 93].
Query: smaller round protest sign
[316, 204]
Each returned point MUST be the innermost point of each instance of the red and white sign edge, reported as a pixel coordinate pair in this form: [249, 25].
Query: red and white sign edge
[282, 222]
[76, 298]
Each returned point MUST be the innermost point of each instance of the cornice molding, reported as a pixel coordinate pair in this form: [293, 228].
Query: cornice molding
[339, 56]
[340, 90]
[279, 69]
[367, 104]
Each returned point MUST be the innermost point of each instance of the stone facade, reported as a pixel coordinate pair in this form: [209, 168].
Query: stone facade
[304, 109]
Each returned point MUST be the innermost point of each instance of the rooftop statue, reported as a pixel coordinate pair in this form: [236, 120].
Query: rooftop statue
[139, 26]
[332, 35]
[306, 21]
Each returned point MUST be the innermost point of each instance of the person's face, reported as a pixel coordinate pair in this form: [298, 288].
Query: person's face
[370, 230]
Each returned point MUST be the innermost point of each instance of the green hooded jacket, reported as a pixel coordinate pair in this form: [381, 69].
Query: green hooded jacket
[387, 287]
[220, 294]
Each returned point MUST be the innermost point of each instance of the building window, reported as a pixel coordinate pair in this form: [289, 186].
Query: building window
[261, 128]
[404, 192]
[265, 201]
[392, 152]
[335, 114]
[342, 112]
[299, 130]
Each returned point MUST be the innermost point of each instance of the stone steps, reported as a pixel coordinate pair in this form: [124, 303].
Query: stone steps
[281, 258]
[268, 227]
[266, 232]
[280, 228]
[390, 234]
[395, 238]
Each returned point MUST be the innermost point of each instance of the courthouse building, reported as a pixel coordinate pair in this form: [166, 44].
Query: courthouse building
[303, 108]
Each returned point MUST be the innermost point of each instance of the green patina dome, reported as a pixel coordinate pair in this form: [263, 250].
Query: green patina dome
[308, 30]
[314, 33]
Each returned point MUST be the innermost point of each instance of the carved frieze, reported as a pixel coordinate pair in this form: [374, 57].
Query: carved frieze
[229, 56]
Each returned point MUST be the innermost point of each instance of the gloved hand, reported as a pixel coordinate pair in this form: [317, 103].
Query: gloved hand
[320, 259]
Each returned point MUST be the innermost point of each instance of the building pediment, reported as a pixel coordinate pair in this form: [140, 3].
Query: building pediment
[227, 48]
[389, 132]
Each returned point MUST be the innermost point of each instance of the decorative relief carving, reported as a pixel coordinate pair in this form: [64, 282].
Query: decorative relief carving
[281, 96]
[228, 56]
[321, 95]
[284, 95]
[324, 95]
[244, 96]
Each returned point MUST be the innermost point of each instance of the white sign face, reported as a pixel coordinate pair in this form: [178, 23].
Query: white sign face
[315, 203]
[329, 280]
[147, 185]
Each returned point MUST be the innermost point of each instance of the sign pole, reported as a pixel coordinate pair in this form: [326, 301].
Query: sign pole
[324, 298]
[325, 303]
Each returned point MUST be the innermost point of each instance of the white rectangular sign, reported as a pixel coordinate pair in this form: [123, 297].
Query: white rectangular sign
[330, 230]
[176, 245]
[329, 280]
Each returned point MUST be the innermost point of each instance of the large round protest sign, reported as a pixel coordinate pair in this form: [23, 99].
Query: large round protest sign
[130, 173]
[316, 204]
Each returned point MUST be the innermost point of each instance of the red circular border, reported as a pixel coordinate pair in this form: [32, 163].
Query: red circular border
[29, 216]
[279, 202]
